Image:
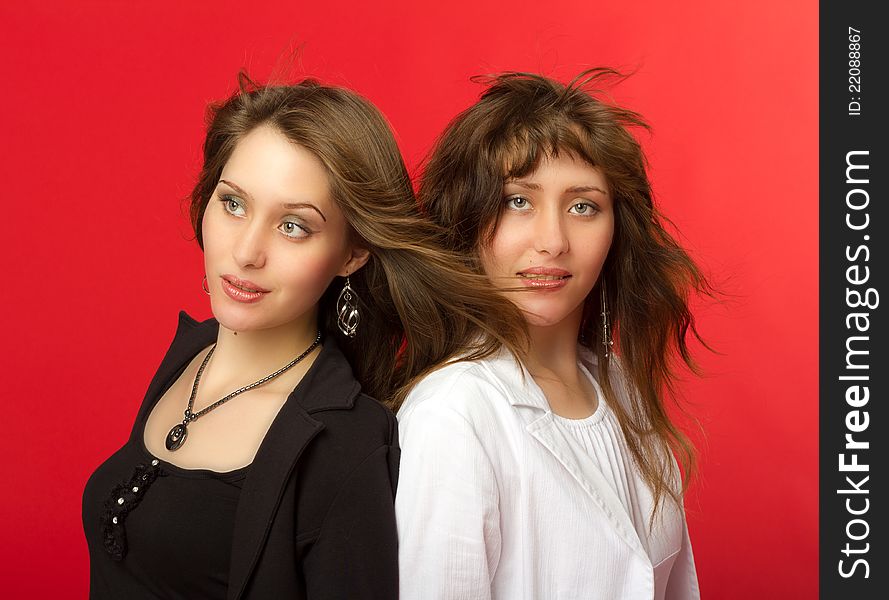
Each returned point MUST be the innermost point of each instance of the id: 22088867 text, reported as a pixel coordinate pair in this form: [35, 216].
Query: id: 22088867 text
[854, 72]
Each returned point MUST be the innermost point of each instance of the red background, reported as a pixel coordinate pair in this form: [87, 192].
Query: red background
[101, 116]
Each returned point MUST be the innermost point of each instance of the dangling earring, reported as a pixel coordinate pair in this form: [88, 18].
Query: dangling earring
[347, 310]
[205, 286]
[606, 333]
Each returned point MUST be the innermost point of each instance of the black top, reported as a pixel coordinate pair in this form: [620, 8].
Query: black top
[155, 530]
[311, 517]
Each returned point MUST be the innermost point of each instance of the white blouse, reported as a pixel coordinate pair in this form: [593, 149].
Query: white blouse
[500, 498]
[601, 438]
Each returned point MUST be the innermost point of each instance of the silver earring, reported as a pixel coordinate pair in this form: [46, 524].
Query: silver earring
[205, 286]
[347, 310]
[606, 332]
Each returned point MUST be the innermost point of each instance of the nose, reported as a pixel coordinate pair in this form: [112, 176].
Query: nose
[550, 236]
[249, 248]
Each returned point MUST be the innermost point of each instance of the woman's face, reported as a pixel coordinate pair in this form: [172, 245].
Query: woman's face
[554, 233]
[274, 238]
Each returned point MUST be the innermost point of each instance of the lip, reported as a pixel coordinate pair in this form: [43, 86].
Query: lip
[544, 278]
[242, 290]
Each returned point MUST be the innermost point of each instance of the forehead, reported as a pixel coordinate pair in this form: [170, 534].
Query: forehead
[565, 168]
[272, 168]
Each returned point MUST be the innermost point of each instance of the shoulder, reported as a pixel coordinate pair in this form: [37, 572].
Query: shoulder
[463, 387]
[358, 430]
[331, 395]
[345, 443]
[350, 466]
[452, 428]
[367, 419]
[466, 399]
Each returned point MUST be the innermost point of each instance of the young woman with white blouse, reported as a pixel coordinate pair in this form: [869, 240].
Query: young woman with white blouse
[547, 470]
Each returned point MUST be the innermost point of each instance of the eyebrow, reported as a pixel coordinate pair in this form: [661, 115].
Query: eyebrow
[585, 188]
[574, 189]
[286, 205]
[524, 184]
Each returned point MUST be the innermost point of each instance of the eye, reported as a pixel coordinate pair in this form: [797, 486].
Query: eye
[294, 229]
[517, 203]
[584, 208]
[232, 206]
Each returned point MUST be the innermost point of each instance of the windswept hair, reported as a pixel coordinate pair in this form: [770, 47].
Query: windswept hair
[421, 305]
[520, 119]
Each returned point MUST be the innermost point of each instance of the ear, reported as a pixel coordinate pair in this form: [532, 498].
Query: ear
[357, 259]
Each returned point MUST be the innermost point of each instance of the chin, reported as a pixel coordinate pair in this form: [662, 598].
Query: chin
[543, 318]
[239, 325]
[548, 314]
[238, 319]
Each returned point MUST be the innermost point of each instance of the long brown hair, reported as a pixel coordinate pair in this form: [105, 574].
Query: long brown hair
[648, 277]
[420, 305]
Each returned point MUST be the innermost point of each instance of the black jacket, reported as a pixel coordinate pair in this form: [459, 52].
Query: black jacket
[316, 517]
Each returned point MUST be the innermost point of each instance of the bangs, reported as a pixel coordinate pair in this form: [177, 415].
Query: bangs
[521, 152]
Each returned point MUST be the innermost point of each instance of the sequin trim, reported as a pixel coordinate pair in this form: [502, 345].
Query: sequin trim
[124, 498]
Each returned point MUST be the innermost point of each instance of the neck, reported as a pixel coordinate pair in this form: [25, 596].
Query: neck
[552, 350]
[552, 361]
[250, 355]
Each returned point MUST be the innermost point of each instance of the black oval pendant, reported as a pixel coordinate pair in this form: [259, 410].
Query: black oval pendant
[176, 437]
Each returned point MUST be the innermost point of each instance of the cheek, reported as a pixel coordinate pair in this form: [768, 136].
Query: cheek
[599, 247]
[312, 266]
[210, 234]
[494, 262]
[594, 249]
[487, 261]
[505, 249]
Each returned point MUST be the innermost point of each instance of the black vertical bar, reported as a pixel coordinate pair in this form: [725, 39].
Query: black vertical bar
[854, 225]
